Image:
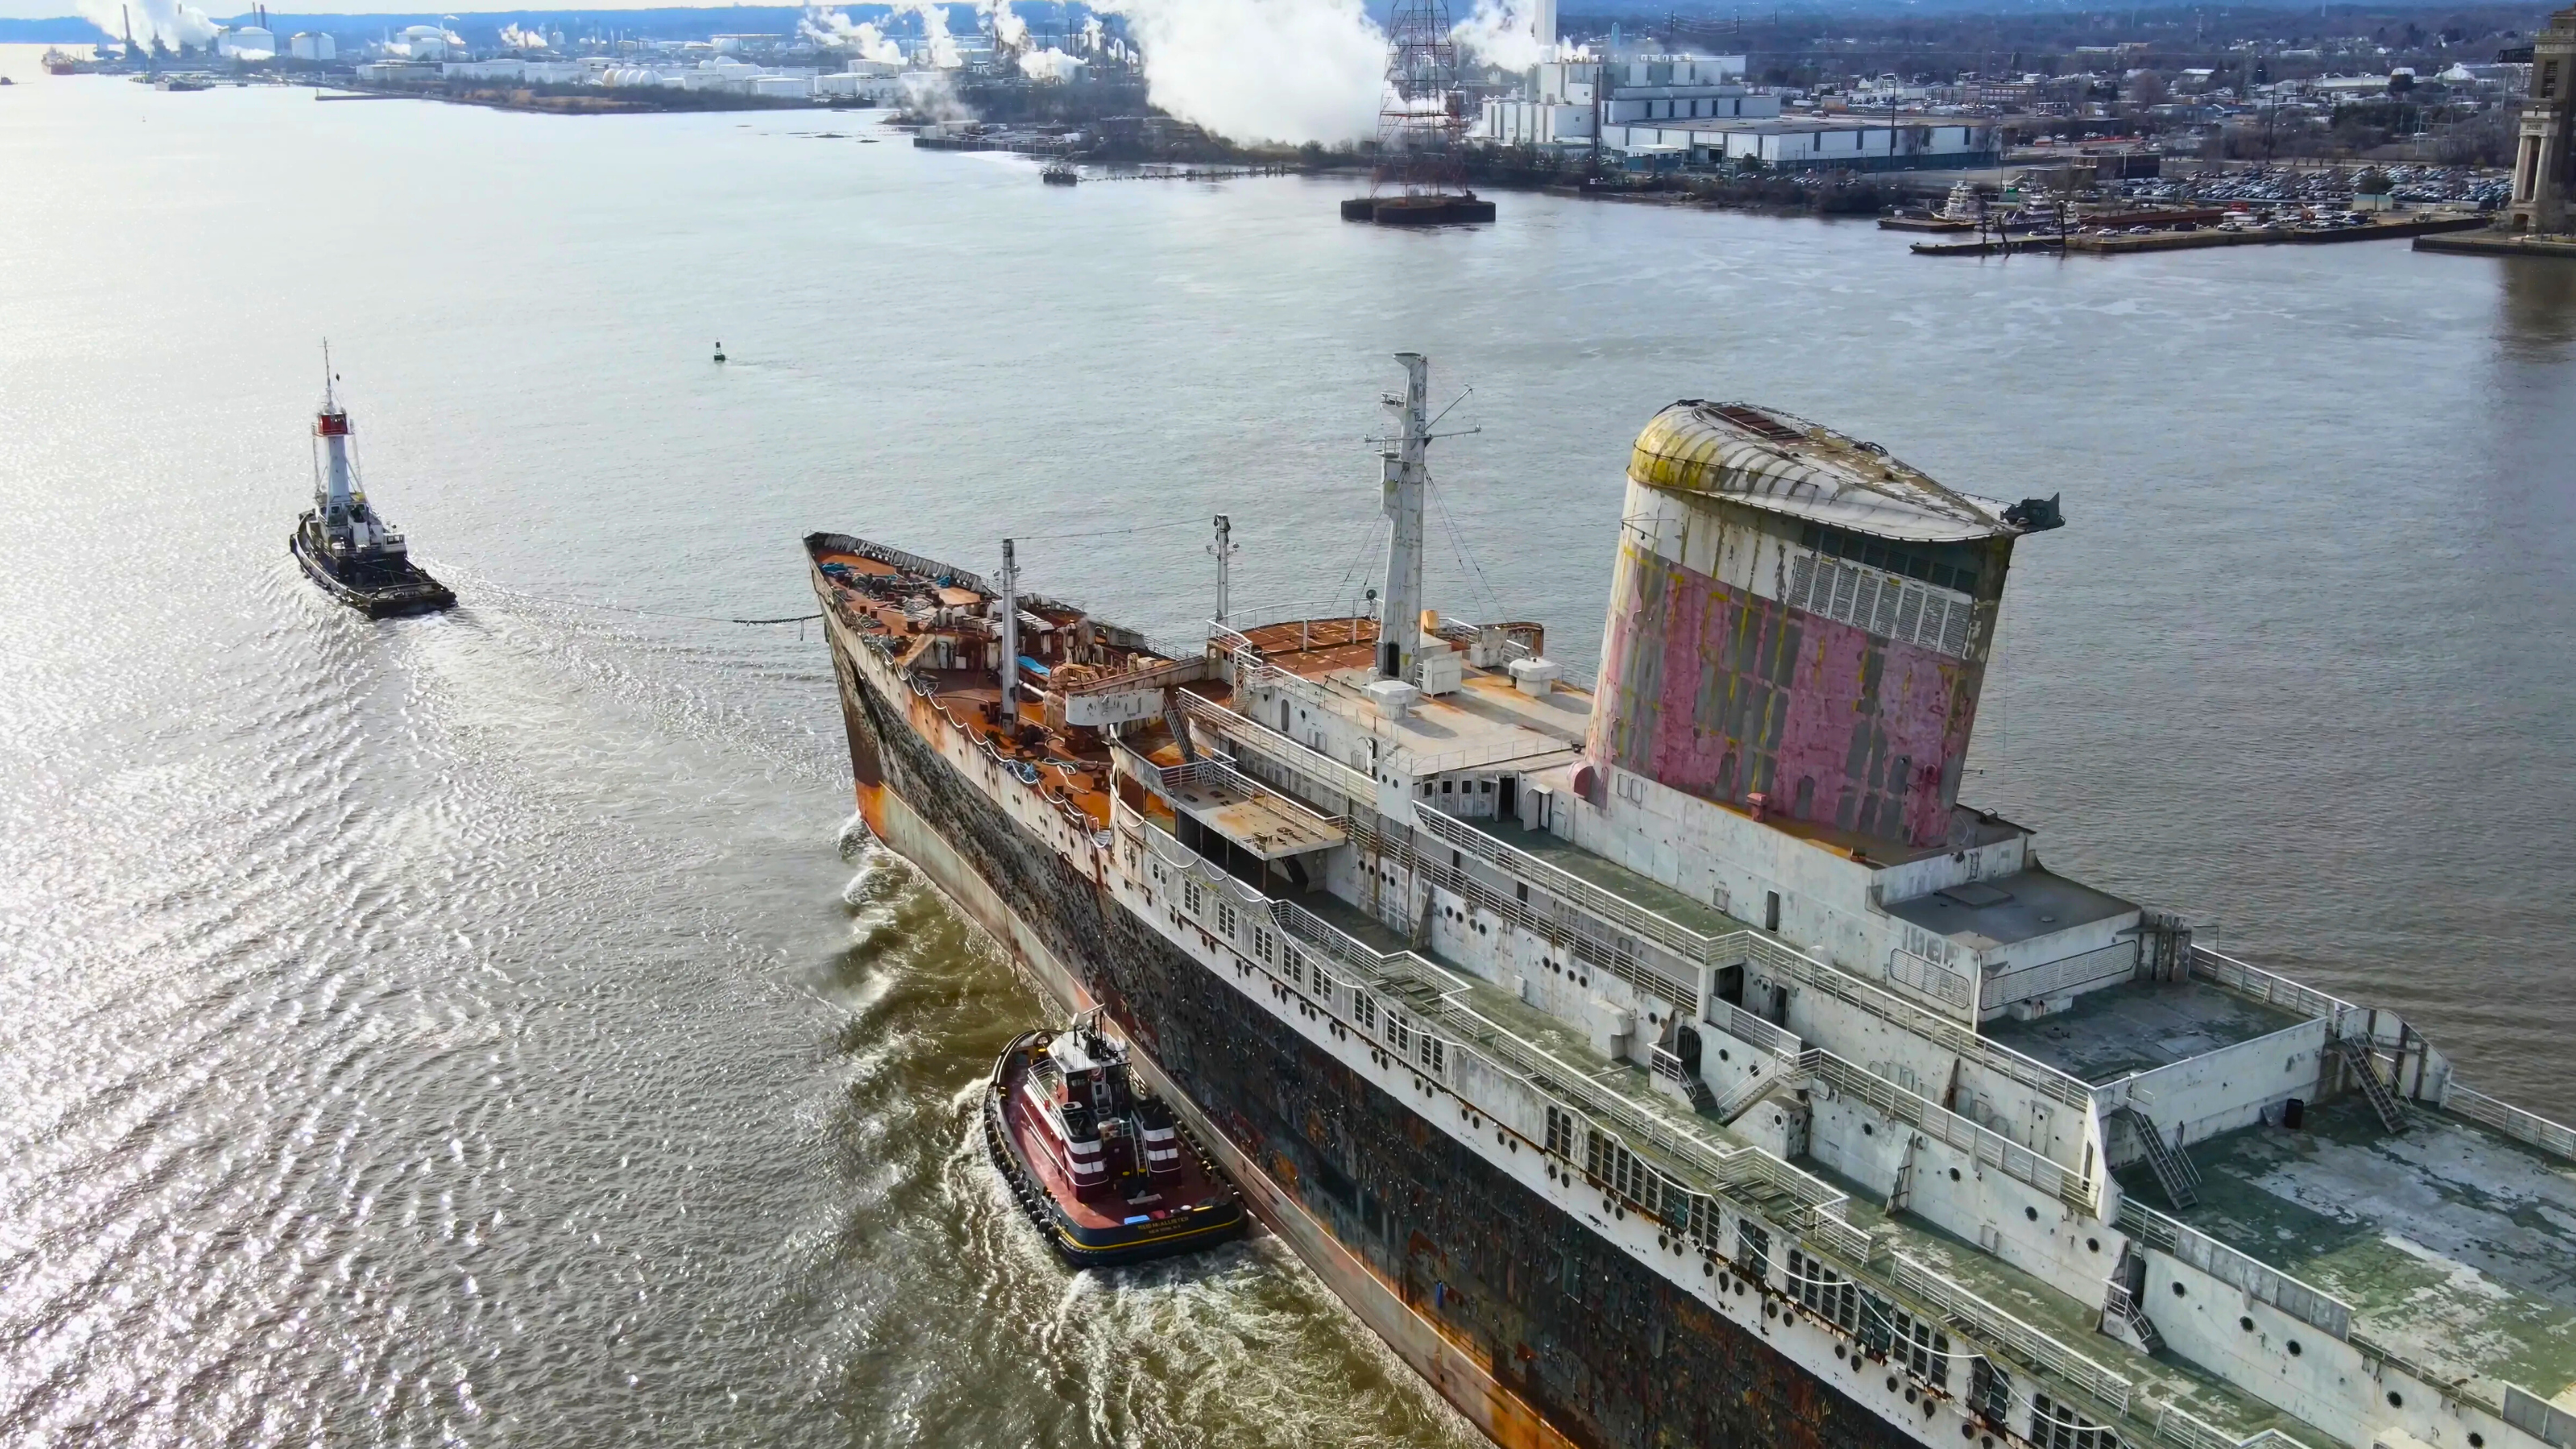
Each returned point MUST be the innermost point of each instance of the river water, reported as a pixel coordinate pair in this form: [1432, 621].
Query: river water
[493, 1029]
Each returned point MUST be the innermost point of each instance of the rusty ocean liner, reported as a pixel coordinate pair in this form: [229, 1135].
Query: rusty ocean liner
[1681, 1062]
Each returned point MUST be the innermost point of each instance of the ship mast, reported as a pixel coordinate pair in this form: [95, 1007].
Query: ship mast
[1406, 472]
[1225, 551]
[1010, 637]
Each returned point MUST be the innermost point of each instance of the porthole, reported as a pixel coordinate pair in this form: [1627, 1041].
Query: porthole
[1617, 1211]
[1838, 1350]
[2031, 1213]
[1721, 1054]
[1867, 1130]
[2294, 1348]
[1891, 1383]
[1954, 1174]
[2178, 1293]
[1929, 1408]
[2092, 1245]
[1708, 1270]
[2396, 1400]
[1661, 1242]
[2477, 1441]
[1967, 1431]
[1770, 1309]
[2246, 1323]
[1909, 1393]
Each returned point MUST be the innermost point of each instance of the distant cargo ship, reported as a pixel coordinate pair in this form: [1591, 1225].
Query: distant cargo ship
[342, 543]
[1682, 1063]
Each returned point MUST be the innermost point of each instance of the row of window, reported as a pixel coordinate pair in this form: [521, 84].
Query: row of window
[1948, 567]
[1401, 1036]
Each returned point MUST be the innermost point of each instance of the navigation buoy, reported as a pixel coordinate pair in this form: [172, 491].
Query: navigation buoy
[719, 350]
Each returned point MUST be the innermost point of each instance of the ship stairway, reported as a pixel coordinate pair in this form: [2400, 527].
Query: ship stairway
[2357, 1054]
[1668, 1065]
[2127, 1282]
[1179, 724]
[2142, 1328]
[1754, 1093]
[2174, 1172]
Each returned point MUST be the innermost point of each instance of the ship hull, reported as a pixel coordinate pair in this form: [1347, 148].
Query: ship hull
[1528, 1323]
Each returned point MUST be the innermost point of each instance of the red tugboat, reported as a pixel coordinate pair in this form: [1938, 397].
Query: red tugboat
[1102, 1168]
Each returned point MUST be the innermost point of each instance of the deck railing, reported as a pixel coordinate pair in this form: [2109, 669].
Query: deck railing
[1288, 753]
[2512, 1121]
[2257, 1280]
[1987, 1147]
[1753, 946]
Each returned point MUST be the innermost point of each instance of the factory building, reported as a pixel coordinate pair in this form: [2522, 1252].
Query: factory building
[1695, 110]
[2544, 168]
[1799, 142]
[1566, 98]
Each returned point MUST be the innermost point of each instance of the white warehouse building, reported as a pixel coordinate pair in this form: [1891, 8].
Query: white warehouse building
[1696, 110]
[1559, 108]
[1807, 141]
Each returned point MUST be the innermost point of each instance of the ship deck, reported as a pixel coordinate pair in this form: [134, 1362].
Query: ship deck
[2454, 1246]
[2137, 1026]
[2163, 1378]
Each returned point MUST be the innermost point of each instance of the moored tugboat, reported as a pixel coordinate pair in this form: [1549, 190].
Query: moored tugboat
[342, 543]
[1102, 1168]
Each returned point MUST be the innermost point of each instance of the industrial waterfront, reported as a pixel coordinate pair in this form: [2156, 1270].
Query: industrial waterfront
[488, 1026]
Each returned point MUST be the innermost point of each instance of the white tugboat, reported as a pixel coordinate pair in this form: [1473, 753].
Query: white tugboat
[343, 544]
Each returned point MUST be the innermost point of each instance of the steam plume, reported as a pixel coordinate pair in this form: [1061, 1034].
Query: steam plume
[172, 22]
[1503, 33]
[1008, 29]
[831, 27]
[1049, 64]
[1262, 70]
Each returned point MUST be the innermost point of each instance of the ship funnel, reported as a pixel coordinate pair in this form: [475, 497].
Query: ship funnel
[1799, 623]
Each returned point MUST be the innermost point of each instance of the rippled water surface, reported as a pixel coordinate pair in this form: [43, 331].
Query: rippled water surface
[491, 1029]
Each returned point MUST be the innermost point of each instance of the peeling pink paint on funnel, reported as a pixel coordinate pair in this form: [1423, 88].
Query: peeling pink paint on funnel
[1799, 624]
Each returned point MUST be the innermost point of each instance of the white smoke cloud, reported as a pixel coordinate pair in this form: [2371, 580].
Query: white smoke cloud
[928, 95]
[832, 28]
[1008, 29]
[513, 38]
[172, 22]
[1503, 33]
[1262, 70]
[1049, 64]
[938, 47]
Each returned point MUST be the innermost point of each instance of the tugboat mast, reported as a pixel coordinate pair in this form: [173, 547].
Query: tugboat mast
[336, 494]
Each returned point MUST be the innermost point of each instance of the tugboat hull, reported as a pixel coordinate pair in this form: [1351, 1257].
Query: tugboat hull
[1083, 1239]
[407, 591]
